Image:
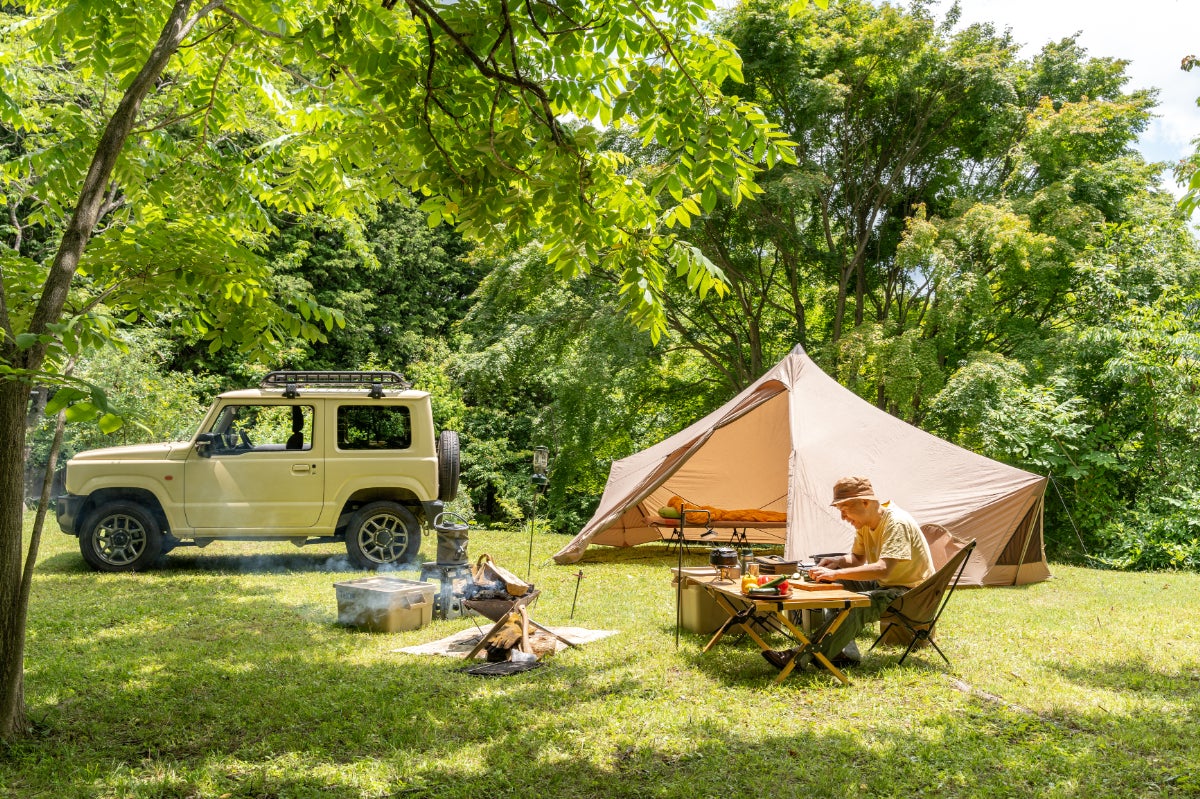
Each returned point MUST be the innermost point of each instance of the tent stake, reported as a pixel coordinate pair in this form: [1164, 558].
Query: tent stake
[578, 580]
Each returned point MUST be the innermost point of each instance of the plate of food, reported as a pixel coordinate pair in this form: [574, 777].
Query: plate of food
[767, 593]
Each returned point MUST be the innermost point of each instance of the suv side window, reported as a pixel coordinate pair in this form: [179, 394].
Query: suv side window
[373, 427]
[263, 428]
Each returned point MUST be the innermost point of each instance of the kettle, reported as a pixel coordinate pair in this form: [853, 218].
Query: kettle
[723, 556]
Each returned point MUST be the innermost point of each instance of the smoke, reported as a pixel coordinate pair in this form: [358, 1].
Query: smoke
[396, 568]
[338, 563]
[281, 563]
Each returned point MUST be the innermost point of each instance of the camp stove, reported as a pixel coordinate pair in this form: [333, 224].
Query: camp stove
[452, 569]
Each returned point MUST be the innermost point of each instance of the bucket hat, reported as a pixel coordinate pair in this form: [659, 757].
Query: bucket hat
[849, 488]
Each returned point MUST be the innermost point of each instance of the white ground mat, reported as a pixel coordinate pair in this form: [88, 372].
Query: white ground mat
[461, 643]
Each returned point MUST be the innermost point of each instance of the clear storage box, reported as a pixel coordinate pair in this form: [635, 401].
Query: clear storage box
[385, 604]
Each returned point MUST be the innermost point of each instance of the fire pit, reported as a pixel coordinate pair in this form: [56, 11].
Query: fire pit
[497, 607]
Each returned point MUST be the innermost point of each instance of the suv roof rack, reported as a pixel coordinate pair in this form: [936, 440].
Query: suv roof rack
[293, 381]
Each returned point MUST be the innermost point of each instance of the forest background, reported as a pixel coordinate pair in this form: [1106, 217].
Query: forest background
[967, 239]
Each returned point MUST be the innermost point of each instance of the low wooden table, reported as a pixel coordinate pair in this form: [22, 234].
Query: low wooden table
[747, 613]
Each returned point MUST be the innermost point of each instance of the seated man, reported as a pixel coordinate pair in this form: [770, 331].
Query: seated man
[889, 556]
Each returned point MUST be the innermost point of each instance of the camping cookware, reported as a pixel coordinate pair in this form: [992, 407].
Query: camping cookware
[725, 559]
[774, 564]
[723, 556]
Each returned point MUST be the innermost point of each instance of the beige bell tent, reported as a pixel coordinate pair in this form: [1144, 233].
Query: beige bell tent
[780, 445]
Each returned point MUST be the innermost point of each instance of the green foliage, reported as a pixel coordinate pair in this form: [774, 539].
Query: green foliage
[289, 109]
[129, 396]
[1161, 532]
[414, 285]
[963, 236]
[1187, 171]
[961, 230]
[987, 406]
[544, 363]
[894, 372]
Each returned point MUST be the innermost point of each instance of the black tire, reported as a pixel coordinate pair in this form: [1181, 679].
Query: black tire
[381, 534]
[448, 465]
[121, 536]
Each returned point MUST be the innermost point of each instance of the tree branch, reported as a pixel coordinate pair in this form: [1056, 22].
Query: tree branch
[92, 194]
[421, 8]
[219, 5]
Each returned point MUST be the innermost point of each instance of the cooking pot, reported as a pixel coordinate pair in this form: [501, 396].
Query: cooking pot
[723, 556]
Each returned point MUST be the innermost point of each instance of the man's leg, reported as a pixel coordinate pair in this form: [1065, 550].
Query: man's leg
[850, 652]
[859, 618]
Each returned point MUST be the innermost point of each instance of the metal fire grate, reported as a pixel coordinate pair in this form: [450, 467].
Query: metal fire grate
[501, 669]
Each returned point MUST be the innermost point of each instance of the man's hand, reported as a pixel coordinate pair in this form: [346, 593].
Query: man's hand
[830, 562]
[822, 574]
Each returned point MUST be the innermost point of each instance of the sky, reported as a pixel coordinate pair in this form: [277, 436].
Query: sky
[1153, 35]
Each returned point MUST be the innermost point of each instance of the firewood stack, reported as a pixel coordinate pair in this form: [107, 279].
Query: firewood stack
[513, 633]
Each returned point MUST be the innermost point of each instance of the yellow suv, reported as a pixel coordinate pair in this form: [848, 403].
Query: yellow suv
[308, 457]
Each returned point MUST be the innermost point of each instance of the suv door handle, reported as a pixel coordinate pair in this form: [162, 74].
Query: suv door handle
[303, 468]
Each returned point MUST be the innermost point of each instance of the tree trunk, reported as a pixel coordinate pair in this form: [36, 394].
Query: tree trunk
[34, 471]
[14, 392]
[13, 398]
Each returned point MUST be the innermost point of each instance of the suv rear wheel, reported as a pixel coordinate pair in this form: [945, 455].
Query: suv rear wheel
[382, 533]
[121, 536]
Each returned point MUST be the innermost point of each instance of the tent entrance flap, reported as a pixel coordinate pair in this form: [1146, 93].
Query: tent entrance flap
[742, 465]
[736, 464]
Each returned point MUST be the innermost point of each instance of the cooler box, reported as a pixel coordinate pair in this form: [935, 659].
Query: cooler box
[385, 604]
[700, 612]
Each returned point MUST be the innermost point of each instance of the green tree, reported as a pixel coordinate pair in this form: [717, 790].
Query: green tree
[237, 108]
[415, 287]
[158, 403]
[939, 243]
[545, 362]
[1188, 170]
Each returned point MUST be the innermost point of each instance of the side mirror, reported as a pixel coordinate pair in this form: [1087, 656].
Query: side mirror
[204, 443]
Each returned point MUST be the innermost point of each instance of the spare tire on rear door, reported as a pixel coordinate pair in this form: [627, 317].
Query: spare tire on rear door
[447, 455]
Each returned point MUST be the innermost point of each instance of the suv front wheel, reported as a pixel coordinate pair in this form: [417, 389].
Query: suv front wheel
[121, 536]
[382, 533]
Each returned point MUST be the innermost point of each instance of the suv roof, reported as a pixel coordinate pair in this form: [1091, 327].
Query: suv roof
[275, 393]
[294, 384]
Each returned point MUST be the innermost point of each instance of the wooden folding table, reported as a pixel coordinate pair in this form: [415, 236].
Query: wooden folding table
[750, 613]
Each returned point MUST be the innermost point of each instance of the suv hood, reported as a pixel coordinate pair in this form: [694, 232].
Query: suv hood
[135, 452]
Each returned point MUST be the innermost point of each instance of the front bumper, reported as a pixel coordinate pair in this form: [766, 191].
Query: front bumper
[67, 508]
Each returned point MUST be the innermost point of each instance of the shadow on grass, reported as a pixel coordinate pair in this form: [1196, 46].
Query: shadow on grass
[1181, 686]
[194, 560]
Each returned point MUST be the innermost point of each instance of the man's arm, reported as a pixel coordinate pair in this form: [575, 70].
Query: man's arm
[841, 561]
[853, 569]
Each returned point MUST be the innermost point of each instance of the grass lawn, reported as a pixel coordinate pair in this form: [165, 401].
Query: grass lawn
[224, 674]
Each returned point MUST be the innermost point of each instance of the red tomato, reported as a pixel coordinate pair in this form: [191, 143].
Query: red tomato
[762, 579]
[784, 587]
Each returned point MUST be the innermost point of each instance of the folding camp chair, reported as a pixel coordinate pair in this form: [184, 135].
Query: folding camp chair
[913, 615]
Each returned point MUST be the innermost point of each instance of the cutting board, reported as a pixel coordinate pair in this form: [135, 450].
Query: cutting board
[816, 586]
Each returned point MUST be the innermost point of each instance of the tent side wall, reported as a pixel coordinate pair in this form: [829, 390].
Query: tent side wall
[1023, 559]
